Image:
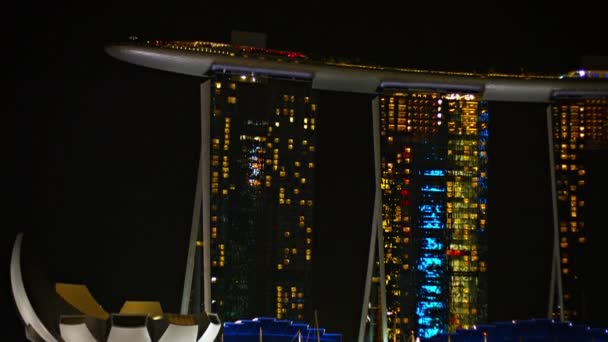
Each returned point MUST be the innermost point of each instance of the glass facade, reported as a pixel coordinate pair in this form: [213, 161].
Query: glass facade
[263, 135]
[578, 125]
[434, 193]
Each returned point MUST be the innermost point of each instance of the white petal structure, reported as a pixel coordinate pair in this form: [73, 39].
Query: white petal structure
[129, 334]
[180, 333]
[132, 325]
[212, 330]
[76, 332]
[24, 306]
[129, 328]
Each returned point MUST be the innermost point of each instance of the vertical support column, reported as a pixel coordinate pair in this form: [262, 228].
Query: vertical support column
[201, 203]
[555, 260]
[193, 261]
[376, 240]
[370, 270]
[378, 213]
[206, 160]
[194, 234]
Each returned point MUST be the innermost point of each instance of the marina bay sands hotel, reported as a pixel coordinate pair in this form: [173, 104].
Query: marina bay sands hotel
[251, 246]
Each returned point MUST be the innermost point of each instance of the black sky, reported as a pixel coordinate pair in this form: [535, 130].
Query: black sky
[105, 148]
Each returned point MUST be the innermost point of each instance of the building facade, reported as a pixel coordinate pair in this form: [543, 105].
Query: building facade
[263, 135]
[432, 187]
[434, 205]
[579, 126]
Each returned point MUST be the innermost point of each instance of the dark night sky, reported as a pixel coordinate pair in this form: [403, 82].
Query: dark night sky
[106, 152]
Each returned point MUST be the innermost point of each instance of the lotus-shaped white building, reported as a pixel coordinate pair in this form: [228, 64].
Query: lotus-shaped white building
[69, 312]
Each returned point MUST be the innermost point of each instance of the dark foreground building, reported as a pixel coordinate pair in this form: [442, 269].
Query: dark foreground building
[539, 330]
[273, 330]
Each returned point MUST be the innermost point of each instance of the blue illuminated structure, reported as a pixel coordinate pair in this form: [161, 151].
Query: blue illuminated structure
[432, 306]
[274, 330]
[434, 211]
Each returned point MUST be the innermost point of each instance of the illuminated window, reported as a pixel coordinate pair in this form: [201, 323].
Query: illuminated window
[231, 99]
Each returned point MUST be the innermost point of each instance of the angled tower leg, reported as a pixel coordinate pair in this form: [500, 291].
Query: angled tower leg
[555, 260]
[201, 204]
[376, 245]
